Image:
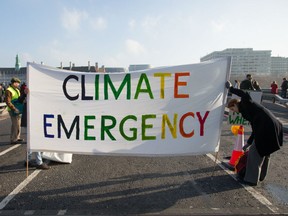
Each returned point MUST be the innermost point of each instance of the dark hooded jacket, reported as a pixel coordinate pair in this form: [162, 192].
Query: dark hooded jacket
[22, 99]
[267, 131]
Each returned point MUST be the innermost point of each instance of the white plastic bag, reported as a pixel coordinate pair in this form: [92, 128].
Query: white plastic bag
[58, 157]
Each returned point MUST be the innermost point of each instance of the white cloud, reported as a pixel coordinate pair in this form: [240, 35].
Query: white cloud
[98, 23]
[57, 51]
[151, 22]
[217, 26]
[134, 47]
[132, 23]
[71, 19]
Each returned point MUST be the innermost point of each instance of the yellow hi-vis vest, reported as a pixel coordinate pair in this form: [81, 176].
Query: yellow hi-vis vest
[15, 94]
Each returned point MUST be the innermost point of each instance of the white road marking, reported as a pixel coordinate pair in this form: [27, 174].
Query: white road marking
[9, 149]
[62, 212]
[29, 212]
[257, 195]
[7, 199]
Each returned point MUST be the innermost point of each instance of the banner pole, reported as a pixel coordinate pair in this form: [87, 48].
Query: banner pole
[28, 120]
[27, 164]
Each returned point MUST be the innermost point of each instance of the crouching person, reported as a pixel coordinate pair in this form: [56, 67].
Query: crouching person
[266, 136]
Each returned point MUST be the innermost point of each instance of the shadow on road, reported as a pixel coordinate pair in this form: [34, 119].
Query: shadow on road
[110, 197]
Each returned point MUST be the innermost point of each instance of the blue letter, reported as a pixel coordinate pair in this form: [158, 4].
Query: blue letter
[47, 125]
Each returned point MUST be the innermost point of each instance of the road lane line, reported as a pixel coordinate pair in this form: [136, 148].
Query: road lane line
[29, 212]
[61, 212]
[23, 184]
[9, 149]
[257, 195]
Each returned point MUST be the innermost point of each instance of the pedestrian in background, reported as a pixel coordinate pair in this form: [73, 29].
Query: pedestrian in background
[256, 85]
[236, 84]
[12, 94]
[2, 93]
[274, 87]
[247, 83]
[266, 136]
[284, 87]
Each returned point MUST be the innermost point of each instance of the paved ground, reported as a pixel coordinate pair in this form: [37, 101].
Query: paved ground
[105, 185]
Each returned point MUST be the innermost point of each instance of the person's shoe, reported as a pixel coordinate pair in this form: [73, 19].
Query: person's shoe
[17, 141]
[30, 164]
[43, 166]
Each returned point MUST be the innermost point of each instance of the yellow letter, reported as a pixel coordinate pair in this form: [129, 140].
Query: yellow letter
[162, 83]
[173, 129]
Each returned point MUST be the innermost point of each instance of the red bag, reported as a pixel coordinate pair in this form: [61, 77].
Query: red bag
[240, 165]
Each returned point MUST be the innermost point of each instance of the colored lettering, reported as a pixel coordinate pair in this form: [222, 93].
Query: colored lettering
[178, 83]
[143, 86]
[110, 127]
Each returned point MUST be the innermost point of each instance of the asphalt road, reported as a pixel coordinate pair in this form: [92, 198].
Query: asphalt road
[110, 185]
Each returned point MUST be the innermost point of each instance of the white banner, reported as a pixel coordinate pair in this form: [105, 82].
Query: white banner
[161, 111]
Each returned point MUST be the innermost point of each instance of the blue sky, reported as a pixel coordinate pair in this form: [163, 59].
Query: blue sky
[123, 32]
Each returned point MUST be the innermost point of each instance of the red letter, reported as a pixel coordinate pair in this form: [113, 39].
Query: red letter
[181, 122]
[177, 83]
[202, 121]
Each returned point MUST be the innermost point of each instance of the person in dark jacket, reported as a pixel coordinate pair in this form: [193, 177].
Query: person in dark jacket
[38, 155]
[266, 136]
[247, 83]
[284, 87]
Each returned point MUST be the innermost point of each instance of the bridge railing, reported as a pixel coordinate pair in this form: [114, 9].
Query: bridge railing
[3, 106]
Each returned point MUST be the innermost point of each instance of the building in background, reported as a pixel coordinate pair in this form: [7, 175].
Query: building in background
[139, 67]
[115, 70]
[17, 64]
[279, 65]
[244, 61]
[7, 73]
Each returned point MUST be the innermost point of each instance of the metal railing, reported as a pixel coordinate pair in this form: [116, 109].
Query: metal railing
[3, 106]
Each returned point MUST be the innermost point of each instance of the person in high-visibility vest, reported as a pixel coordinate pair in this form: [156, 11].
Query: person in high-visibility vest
[12, 93]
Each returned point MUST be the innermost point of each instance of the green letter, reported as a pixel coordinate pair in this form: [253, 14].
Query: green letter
[107, 128]
[148, 87]
[134, 130]
[86, 127]
[146, 126]
[108, 82]
[96, 87]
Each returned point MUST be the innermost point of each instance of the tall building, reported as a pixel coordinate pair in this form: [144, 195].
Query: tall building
[244, 60]
[17, 64]
[279, 65]
[7, 73]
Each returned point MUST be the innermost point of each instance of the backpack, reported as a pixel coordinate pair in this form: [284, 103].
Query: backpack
[240, 165]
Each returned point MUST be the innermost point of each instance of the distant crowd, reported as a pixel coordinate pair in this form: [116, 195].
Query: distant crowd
[3, 90]
[251, 84]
